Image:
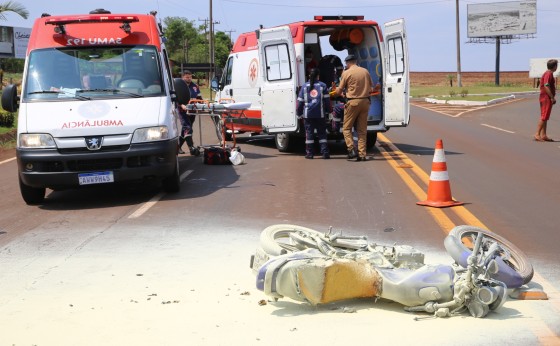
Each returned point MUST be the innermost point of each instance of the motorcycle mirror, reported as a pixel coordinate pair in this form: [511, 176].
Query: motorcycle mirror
[492, 267]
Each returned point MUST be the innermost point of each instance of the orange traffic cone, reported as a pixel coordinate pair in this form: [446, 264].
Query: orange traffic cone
[439, 190]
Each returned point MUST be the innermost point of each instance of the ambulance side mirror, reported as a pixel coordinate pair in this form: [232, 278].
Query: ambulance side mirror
[10, 98]
[215, 84]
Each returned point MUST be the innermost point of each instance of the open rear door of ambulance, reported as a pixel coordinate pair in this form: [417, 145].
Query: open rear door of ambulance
[278, 91]
[396, 75]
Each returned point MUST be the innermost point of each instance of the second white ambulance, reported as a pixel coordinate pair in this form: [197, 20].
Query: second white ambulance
[266, 68]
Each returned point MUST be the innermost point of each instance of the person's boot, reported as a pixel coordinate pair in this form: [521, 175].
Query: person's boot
[352, 154]
[309, 151]
[181, 141]
[325, 151]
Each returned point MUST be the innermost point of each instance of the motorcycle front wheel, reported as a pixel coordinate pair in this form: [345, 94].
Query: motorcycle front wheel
[275, 240]
[514, 267]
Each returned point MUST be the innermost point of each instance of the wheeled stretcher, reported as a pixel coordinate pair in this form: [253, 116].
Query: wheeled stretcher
[220, 113]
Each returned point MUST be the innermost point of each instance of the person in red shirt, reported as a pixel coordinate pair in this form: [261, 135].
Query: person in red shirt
[547, 98]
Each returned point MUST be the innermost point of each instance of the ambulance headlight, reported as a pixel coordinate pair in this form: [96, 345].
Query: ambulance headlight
[150, 134]
[36, 141]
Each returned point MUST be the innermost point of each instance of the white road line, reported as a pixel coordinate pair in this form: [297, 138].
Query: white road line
[184, 175]
[146, 206]
[497, 128]
[8, 160]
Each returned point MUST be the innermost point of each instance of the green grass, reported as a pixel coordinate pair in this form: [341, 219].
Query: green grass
[472, 94]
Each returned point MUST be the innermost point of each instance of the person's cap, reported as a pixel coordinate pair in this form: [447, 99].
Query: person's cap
[350, 57]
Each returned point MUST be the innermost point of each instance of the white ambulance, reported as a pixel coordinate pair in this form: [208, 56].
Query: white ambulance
[266, 68]
[97, 104]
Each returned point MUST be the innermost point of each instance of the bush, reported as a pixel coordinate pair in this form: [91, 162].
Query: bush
[7, 119]
[464, 92]
[452, 93]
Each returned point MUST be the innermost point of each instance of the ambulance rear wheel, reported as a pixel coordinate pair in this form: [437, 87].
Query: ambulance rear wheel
[371, 139]
[285, 142]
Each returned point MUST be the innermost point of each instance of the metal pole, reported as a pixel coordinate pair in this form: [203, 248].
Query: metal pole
[497, 60]
[459, 83]
[211, 74]
[186, 50]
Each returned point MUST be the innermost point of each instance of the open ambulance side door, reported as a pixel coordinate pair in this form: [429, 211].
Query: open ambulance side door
[396, 82]
[278, 91]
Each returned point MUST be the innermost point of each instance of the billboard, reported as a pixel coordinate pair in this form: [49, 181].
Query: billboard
[13, 42]
[537, 67]
[502, 18]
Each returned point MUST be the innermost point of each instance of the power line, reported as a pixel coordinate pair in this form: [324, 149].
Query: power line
[341, 6]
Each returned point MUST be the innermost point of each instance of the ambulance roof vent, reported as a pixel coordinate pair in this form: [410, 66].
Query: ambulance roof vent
[100, 11]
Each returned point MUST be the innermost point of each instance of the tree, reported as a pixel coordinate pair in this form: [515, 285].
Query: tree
[179, 31]
[13, 6]
[189, 43]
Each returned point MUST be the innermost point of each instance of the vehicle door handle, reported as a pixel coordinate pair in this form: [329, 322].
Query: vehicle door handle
[389, 89]
[230, 92]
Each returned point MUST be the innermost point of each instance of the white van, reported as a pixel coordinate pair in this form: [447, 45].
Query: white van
[97, 104]
[266, 67]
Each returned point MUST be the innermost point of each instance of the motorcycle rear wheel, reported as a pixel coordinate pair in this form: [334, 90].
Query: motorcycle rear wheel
[459, 248]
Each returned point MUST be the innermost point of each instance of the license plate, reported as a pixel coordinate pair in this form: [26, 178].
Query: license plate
[259, 259]
[96, 178]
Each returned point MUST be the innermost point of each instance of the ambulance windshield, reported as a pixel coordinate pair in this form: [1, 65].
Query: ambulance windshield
[93, 73]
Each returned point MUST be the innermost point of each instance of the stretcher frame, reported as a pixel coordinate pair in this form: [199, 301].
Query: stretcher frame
[221, 112]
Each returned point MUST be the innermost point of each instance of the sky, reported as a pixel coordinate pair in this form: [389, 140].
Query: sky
[430, 24]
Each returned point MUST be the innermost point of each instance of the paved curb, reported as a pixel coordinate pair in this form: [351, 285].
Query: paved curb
[477, 103]
[469, 103]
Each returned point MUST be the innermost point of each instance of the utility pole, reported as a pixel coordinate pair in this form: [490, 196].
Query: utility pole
[209, 25]
[229, 33]
[459, 83]
[497, 77]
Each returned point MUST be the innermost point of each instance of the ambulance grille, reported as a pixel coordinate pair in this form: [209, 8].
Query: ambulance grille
[103, 149]
[94, 165]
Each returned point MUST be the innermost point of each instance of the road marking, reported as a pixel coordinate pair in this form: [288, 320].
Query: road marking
[146, 206]
[455, 111]
[497, 128]
[8, 160]
[396, 158]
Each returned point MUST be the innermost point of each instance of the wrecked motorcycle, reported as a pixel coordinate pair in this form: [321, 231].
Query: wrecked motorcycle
[309, 266]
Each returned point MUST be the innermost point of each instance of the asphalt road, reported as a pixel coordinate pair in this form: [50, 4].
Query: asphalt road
[131, 265]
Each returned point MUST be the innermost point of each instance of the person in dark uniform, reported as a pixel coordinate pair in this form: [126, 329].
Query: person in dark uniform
[313, 105]
[358, 85]
[187, 119]
[330, 67]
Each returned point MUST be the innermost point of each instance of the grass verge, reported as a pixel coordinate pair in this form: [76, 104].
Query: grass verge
[479, 92]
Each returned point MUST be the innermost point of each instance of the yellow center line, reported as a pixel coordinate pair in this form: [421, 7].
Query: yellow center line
[443, 220]
[397, 160]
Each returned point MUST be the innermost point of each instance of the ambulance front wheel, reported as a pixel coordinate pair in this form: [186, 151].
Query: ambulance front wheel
[31, 195]
[285, 142]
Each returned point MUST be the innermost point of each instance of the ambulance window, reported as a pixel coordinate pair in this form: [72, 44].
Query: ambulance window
[226, 78]
[277, 62]
[167, 69]
[396, 55]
